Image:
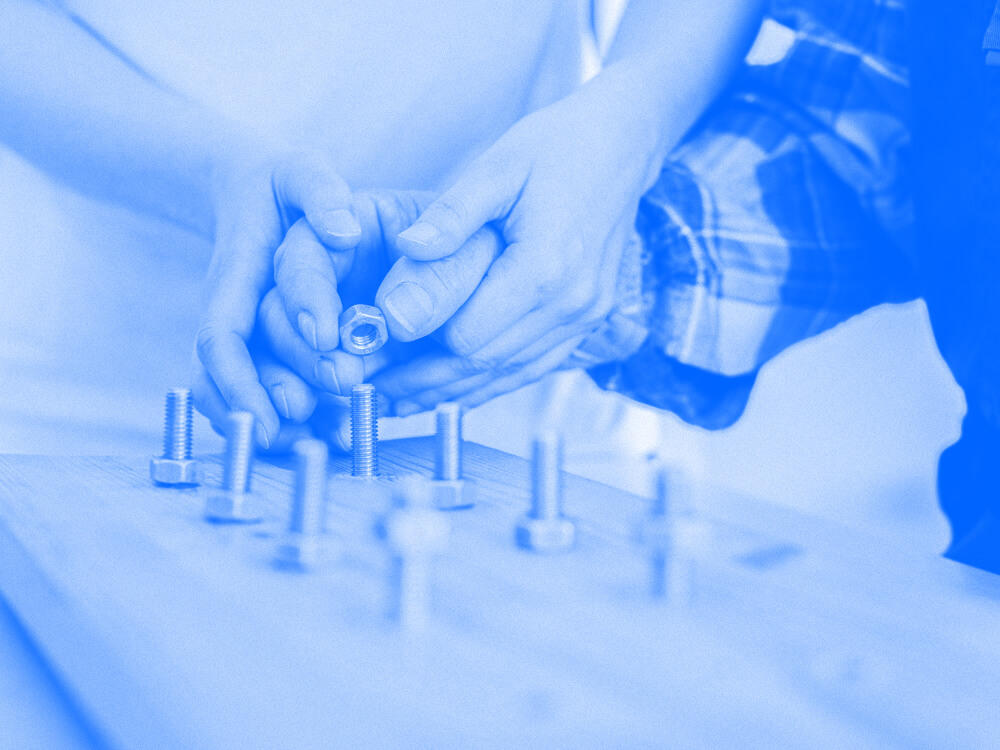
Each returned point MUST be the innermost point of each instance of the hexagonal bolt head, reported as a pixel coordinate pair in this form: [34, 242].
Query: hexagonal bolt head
[362, 330]
[173, 471]
[297, 551]
[545, 535]
[229, 507]
[452, 494]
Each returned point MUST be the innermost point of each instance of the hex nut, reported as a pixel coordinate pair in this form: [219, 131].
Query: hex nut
[545, 535]
[362, 330]
[175, 471]
[452, 494]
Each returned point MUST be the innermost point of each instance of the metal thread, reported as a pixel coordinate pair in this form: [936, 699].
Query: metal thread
[310, 487]
[239, 452]
[547, 477]
[661, 497]
[364, 430]
[448, 456]
[177, 425]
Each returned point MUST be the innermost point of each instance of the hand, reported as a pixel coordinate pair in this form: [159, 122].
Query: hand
[563, 187]
[254, 206]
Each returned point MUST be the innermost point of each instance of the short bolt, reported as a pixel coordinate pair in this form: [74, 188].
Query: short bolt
[228, 506]
[545, 529]
[449, 489]
[364, 430]
[175, 466]
[306, 518]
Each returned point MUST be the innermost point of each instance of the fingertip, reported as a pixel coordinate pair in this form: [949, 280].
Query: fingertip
[307, 328]
[339, 228]
[423, 241]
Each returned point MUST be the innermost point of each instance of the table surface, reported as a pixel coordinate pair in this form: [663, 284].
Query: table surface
[165, 631]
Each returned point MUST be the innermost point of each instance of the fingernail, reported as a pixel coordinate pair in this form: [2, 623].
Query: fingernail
[341, 223]
[420, 234]
[262, 439]
[307, 327]
[406, 408]
[326, 374]
[280, 401]
[410, 305]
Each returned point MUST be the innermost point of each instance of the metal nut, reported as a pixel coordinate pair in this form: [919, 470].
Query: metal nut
[362, 330]
[452, 494]
[175, 471]
[545, 535]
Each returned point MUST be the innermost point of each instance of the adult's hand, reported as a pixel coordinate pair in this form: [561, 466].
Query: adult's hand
[254, 206]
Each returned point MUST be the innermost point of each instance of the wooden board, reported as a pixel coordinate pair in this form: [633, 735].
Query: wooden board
[172, 632]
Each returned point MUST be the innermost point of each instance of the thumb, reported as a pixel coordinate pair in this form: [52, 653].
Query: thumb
[417, 297]
[484, 193]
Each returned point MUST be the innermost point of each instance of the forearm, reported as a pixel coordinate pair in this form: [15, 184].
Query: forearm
[84, 116]
[674, 57]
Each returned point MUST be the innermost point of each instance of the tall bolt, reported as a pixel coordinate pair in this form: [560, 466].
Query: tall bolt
[306, 518]
[544, 528]
[449, 489]
[364, 430]
[448, 456]
[415, 534]
[176, 465]
[672, 537]
[228, 505]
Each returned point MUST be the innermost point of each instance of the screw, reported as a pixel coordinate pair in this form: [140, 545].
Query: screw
[545, 529]
[415, 533]
[364, 430]
[176, 465]
[306, 517]
[672, 537]
[227, 506]
[449, 489]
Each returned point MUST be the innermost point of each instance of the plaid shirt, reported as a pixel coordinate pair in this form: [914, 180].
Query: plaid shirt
[782, 214]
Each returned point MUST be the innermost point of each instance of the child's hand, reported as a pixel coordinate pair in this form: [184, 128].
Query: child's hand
[254, 206]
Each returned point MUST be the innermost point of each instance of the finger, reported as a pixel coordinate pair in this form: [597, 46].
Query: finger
[311, 184]
[208, 400]
[457, 387]
[484, 193]
[418, 297]
[332, 423]
[293, 398]
[335, 372]
[307, 282]
[237, 277]
[530, 373]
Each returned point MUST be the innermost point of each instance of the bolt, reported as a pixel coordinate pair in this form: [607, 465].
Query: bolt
[364, 430]
[306, 518]
[176, 466]
[228, 505]
[672, 536]
[449, 489]
[415, 534]
[545, 529]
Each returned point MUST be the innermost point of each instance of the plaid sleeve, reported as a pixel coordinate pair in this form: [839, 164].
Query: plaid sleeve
[784, 213]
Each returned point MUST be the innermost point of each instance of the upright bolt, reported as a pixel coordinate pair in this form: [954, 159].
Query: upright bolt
[228, 505]
[672, 537]
[306, 518]
[449, 489]
[545, 529]
[176, 466]
[364, 430]
[415, 534]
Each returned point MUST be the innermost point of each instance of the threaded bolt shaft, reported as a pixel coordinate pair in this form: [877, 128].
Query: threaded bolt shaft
[661, 498]
[310, 487]
[547, 477]
[177, 425]
[364, 430]
[448, 456]
[239, 452]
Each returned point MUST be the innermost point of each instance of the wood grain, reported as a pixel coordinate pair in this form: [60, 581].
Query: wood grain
[173, 632]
